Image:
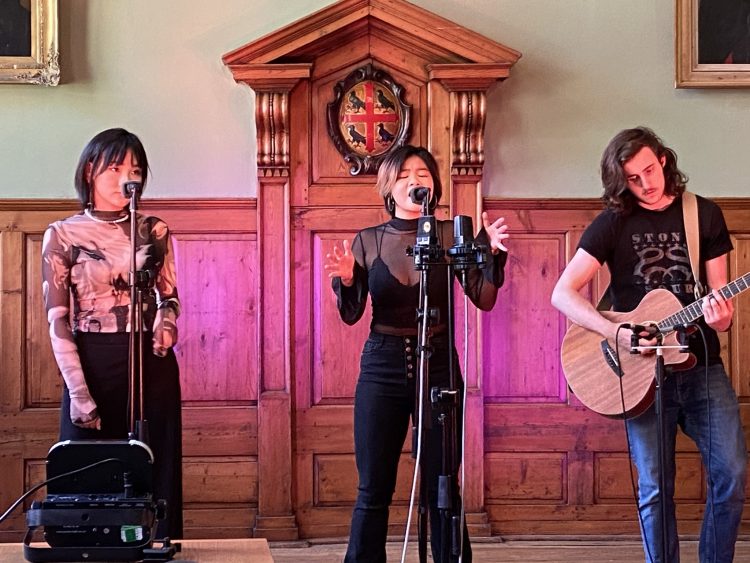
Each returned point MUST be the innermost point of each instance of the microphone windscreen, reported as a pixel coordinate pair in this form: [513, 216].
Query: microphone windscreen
[419, 194]
[463, 230]
[130, 188]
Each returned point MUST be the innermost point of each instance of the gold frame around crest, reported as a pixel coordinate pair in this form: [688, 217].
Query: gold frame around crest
[689, 73]
[43, 66]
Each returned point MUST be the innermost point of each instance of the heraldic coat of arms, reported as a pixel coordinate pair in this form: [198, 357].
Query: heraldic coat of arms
[367, 118]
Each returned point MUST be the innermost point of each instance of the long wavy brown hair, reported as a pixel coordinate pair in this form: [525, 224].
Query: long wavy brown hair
[624, 146]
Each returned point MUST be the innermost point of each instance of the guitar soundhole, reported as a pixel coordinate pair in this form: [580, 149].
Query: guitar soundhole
[610, 357]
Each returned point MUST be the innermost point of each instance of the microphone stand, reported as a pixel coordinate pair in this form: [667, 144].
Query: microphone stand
[444, 401]
[426, 252]
[661, 372]
[138, 280]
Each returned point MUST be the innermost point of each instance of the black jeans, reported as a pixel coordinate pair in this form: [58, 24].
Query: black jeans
[383, 404]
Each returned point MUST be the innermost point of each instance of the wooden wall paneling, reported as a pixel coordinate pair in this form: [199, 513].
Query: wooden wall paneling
[326, 366]
[596, 474]
[521, 343]
[460, 150]
[218, 325]
[216, 485]
[739, 354]
[215, 247]
[276, 519]
[19, 440]
[333, 42]
[300, 121]
[336, 345]
[222, 435]
[11, 317]
[275, 514]
[43, 383]
[216, 253]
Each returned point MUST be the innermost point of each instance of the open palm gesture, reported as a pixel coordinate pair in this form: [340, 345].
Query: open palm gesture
[497, 233]
[340, 263]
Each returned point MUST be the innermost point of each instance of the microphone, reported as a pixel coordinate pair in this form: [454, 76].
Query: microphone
[463, 231]
[652, 329]
[130, 188]
[419, 194]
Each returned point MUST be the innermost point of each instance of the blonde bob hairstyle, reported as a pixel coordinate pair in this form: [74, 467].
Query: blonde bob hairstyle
[391, 167]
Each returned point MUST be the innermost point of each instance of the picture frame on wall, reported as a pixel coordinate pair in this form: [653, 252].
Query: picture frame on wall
[712, 44]
[29, 52]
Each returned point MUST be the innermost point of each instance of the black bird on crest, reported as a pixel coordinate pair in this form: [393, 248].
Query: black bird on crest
[355, 136]
[385, 135]
[384, 102]
[355, 102]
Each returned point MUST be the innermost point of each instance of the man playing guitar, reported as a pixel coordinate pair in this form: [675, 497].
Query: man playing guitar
[641, 237]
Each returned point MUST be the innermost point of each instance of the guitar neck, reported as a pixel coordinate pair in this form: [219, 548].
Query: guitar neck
[694, 311]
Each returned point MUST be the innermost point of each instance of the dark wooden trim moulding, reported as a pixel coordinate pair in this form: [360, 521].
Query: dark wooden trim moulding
[726, 203]
[70, 204]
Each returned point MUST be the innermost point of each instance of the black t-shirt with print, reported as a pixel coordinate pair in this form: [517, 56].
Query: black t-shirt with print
[647, 249]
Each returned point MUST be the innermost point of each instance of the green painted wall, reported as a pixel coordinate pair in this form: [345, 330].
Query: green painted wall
[589, 68]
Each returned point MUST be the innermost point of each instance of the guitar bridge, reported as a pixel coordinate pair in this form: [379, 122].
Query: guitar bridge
[610, 357]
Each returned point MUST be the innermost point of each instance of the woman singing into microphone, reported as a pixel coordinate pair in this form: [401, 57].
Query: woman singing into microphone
[86, 262]
[377, 263]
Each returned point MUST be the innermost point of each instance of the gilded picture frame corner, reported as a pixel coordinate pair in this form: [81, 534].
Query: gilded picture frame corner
[42, 65]
[690, 70]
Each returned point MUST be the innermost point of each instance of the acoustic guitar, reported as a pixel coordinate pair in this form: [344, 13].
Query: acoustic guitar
[590, 362]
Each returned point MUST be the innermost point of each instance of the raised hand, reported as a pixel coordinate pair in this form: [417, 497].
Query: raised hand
[497, 233]
[341, 264]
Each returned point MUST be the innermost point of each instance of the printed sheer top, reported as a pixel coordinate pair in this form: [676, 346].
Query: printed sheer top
[86, 264]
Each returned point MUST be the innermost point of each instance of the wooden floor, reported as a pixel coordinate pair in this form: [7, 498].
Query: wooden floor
[488, 551]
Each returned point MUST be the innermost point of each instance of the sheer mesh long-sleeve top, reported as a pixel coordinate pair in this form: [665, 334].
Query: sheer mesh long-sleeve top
[385, 271]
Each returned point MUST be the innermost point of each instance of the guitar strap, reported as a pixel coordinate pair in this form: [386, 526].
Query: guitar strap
[605, 303]
[690, 217]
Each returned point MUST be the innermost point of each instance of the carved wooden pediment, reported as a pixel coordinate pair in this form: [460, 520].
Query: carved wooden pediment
[394, 21]
[392, 36]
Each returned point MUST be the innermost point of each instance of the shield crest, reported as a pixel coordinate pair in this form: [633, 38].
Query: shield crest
[368, 118]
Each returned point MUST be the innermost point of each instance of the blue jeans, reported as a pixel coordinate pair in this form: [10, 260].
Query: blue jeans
[383, 405]
[717, 431]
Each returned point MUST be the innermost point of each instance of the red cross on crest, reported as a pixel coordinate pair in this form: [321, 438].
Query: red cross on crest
[368, 118]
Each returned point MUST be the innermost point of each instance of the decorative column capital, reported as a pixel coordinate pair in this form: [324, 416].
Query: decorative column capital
[468, 85]
[272, 84]
[271, 77]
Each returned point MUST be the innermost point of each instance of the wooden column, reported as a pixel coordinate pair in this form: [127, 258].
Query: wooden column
[272, 84]
[467, 86]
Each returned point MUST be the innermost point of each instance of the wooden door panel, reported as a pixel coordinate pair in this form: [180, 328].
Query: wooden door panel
[521, 335]
[43, 382]
[217, 277]
[336, 345]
